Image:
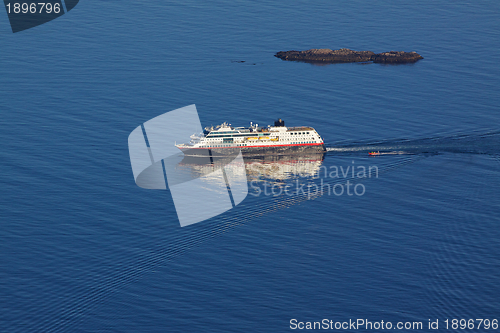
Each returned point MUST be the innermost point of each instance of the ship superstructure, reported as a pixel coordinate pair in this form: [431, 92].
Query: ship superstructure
[225, 140]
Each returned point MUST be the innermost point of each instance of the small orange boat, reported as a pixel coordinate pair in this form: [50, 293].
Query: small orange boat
[374, 153]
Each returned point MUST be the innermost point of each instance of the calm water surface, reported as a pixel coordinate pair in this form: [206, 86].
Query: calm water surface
[83, 249]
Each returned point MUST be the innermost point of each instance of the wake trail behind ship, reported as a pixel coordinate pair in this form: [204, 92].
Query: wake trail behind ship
[482, 143]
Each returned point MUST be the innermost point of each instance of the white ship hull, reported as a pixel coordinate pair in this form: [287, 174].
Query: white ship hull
[225, 140]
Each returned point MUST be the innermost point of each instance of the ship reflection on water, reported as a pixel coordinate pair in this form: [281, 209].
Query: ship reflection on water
[256, 168]
[281, 168]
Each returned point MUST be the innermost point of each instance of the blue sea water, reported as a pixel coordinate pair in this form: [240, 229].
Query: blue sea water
[83, 249]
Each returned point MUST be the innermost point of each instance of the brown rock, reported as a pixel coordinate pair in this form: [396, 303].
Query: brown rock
[396, 57]
[346, 55]
[326, 55]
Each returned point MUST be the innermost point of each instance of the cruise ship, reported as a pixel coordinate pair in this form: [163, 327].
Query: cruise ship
[224, 140]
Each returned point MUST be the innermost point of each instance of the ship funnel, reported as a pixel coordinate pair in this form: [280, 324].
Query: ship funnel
[279, 123]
